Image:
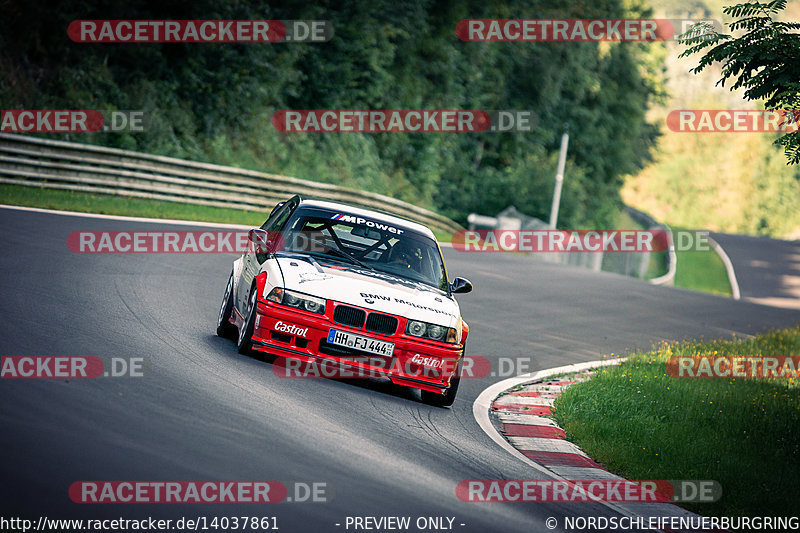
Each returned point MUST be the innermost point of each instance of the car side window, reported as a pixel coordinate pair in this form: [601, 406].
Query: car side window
[278, 219]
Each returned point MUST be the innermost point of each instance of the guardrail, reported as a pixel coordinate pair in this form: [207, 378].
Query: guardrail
[36, 162]
[671, 257]
[628, 264]
[732, 281]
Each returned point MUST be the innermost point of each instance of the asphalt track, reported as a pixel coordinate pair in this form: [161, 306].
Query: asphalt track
[768, 270]
[204, 412]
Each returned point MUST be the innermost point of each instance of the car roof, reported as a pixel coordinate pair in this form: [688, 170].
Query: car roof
[368, 213]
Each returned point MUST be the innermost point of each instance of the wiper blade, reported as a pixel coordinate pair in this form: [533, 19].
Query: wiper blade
[344, 255]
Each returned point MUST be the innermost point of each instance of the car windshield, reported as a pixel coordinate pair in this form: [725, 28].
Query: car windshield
[369, 244]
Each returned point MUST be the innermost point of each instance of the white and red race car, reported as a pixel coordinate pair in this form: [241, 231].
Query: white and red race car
[326, 283]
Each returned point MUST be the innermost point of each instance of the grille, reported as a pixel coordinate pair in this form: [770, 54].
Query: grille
[378, 323]
[281, 337]
[349, 316]
[339, 351]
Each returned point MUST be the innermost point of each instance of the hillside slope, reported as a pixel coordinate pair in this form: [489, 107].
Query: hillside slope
[728, 182]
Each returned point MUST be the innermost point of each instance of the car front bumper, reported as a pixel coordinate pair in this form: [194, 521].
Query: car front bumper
[302, 336]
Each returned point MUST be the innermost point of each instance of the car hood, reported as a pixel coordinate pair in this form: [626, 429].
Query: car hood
[369, 289]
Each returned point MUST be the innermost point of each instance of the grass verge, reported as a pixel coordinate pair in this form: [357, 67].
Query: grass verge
[125, 206]
[134, 207]
[702, 271]
[744, 433]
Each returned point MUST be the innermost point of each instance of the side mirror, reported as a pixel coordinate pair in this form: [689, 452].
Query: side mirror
[260, 238]
[460, 286]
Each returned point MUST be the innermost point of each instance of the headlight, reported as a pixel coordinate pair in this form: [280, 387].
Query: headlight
[297, 300]
[315, 306]
[435, 332]
[291, 299]
[415, 328]
[431, 331]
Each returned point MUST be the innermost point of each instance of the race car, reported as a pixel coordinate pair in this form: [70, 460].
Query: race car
[327, 283]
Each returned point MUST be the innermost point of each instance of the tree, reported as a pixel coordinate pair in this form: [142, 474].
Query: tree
[764, 60]
[213, 102]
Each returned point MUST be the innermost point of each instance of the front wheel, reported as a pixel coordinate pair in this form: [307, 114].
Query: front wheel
[446, 399]
[224, 327]
[245, 341]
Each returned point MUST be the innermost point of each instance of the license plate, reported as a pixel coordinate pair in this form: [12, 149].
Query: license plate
[358, 342]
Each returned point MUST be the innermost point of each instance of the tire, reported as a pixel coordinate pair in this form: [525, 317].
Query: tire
[446, 399]
[245, 340]
[224, 327]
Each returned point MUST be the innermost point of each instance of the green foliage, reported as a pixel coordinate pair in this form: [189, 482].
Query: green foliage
[763, 60]
[214, 102]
